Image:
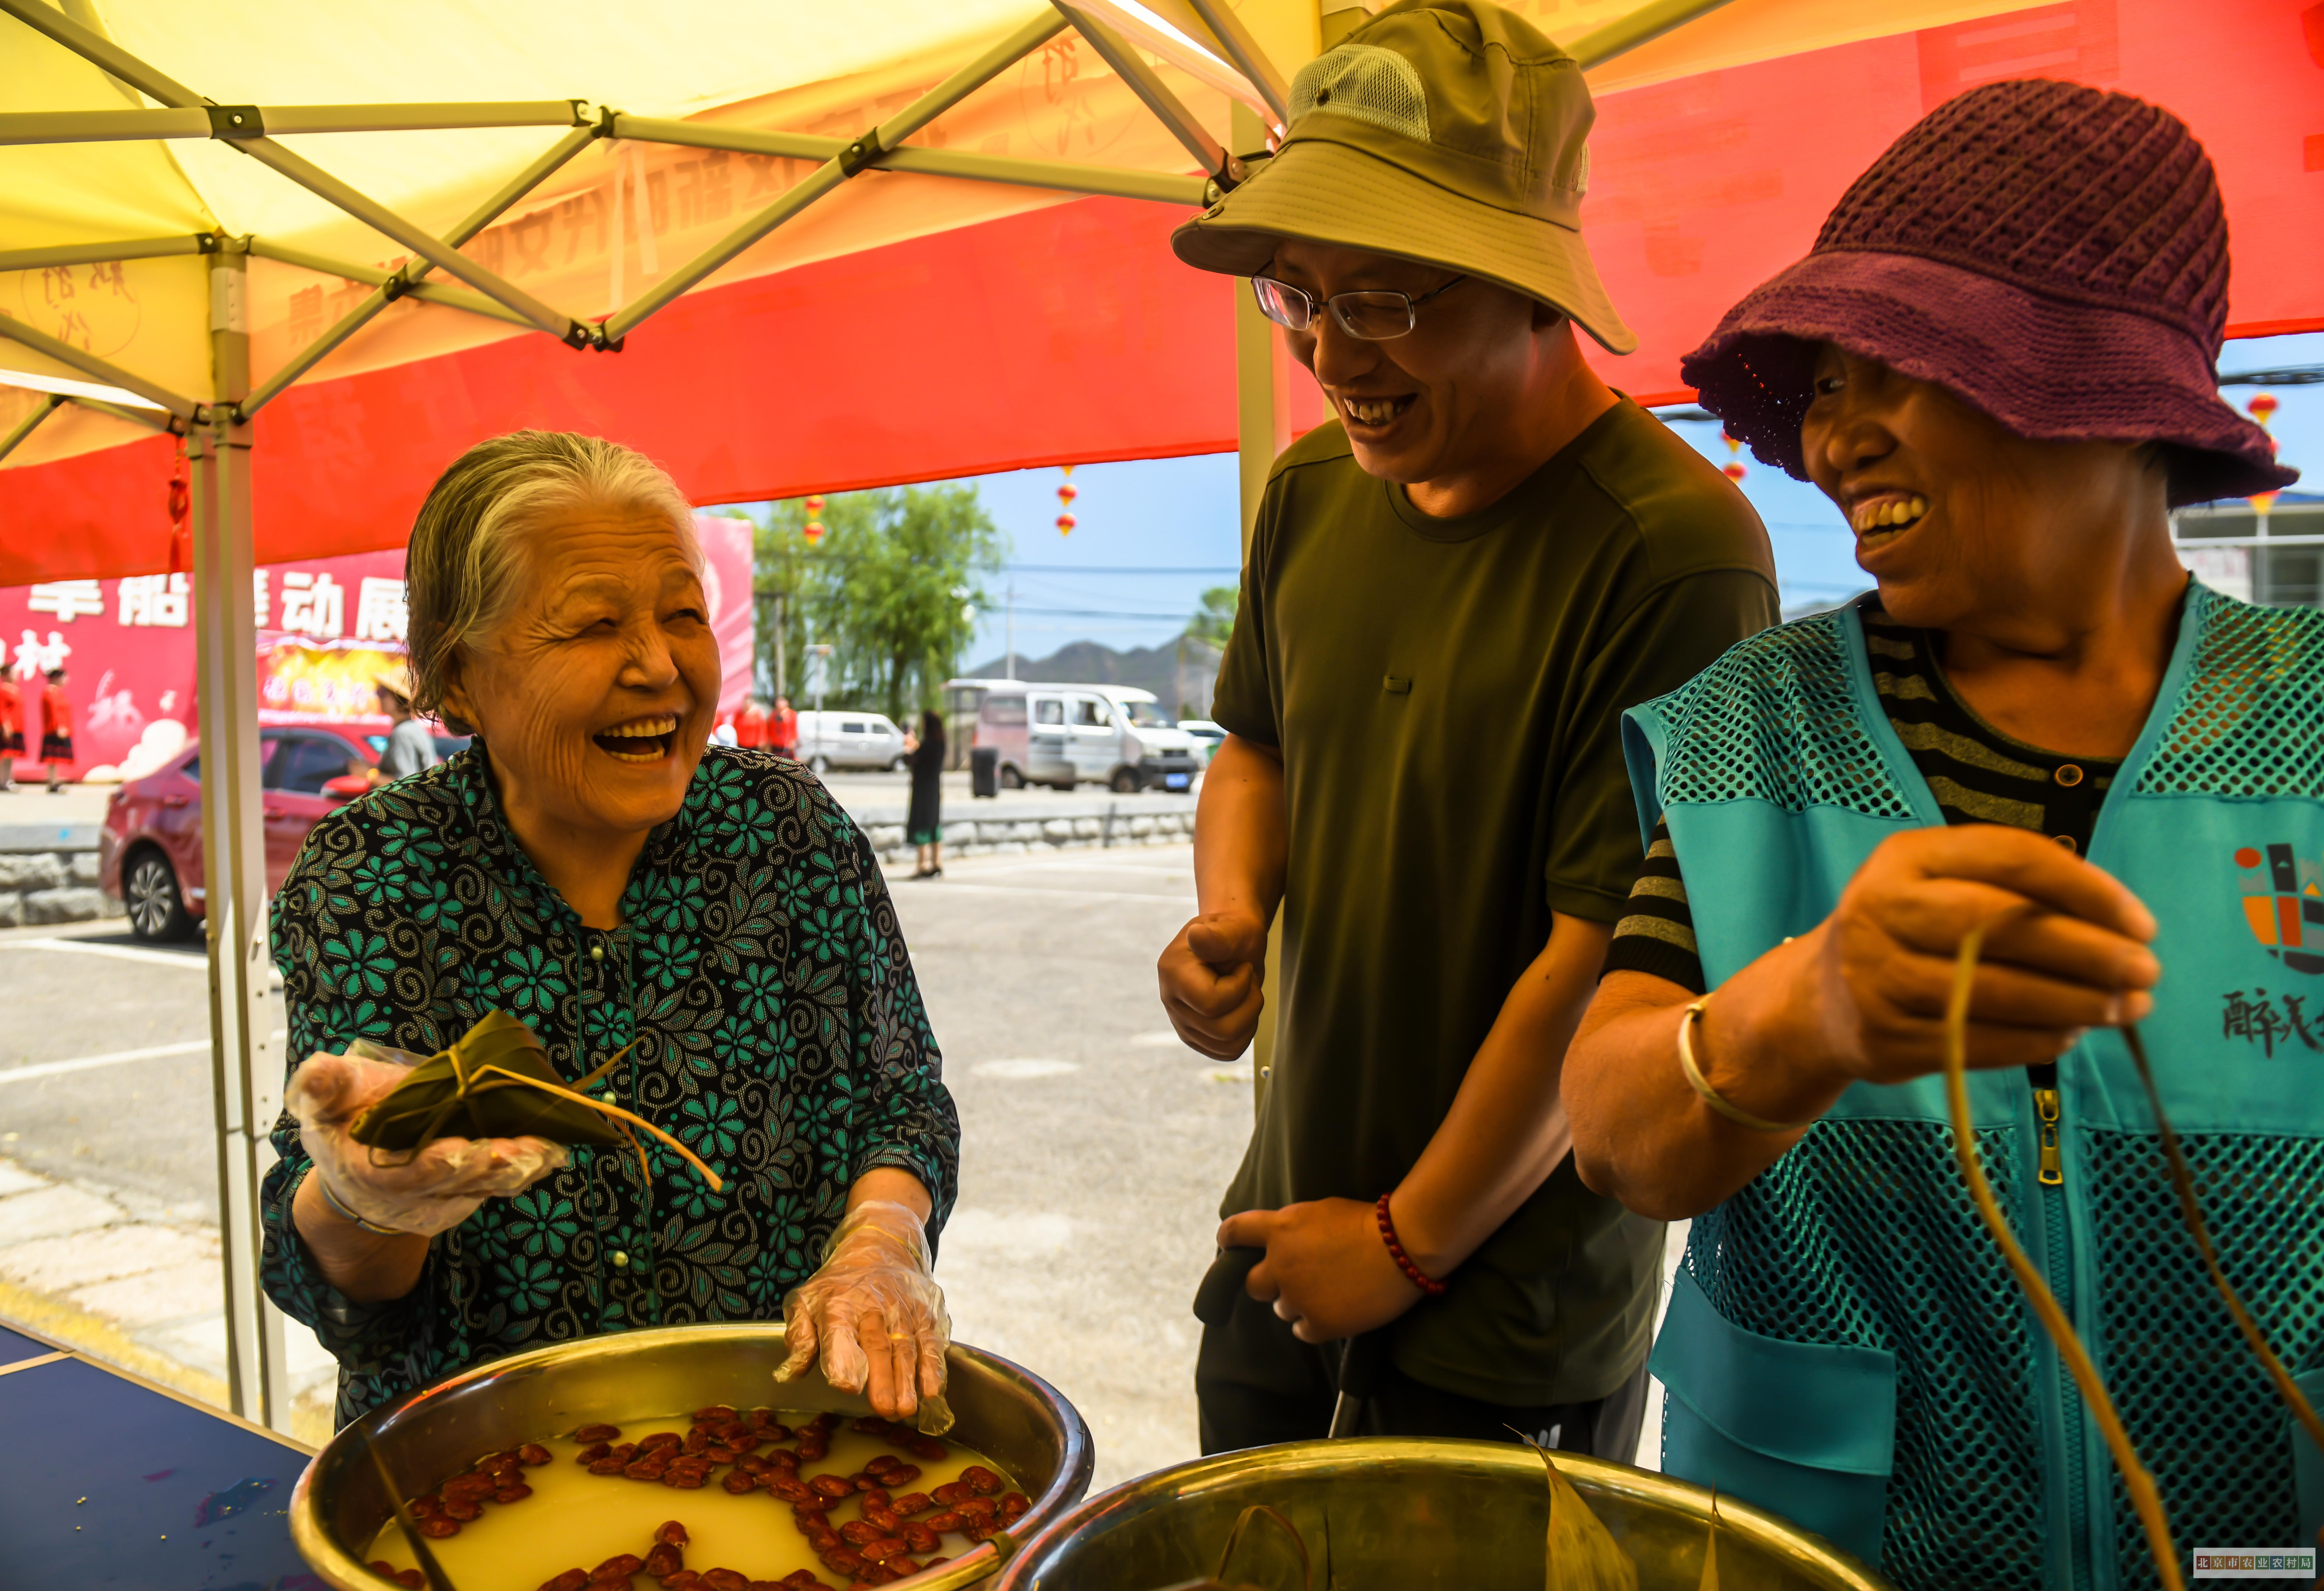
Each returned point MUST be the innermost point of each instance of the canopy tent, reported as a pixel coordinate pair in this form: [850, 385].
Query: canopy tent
[785, 249]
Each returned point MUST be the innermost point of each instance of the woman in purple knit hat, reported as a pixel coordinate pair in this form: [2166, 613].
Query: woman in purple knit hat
[1998, 361]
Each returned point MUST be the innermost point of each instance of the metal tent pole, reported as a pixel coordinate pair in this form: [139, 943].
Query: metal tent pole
[246, 1058]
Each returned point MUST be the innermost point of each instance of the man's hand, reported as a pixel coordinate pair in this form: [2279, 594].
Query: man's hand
[1326, 1269]
[1211, 975]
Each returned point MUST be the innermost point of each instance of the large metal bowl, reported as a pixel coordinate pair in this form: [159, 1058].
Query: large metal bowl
[1400, 1515]
[337, 1507]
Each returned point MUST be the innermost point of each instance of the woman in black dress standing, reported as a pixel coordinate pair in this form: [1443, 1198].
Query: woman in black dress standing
[924, 821]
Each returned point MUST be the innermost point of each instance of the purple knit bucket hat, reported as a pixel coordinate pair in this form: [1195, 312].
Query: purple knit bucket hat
[2055, 254]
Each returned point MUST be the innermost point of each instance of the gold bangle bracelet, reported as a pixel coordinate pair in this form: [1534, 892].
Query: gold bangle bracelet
[1711, 1095]
[339, 1207]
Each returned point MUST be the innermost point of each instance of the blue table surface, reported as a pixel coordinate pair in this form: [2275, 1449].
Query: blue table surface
[106, 1482]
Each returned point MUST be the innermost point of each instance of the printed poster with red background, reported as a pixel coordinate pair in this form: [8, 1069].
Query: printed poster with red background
[328, 629]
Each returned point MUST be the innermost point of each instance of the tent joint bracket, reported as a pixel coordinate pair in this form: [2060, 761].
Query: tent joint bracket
[235, 121]
[864, 152]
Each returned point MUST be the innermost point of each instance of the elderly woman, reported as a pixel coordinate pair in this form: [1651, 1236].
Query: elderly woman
[1998, 361]
[588, 865]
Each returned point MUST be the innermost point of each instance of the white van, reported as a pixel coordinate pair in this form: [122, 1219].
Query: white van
[849, 740]
[1067, 735]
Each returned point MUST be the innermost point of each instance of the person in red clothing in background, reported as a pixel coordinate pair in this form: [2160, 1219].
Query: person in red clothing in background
[782, 729]
[12, 726]
[56, 730]
[751, 725]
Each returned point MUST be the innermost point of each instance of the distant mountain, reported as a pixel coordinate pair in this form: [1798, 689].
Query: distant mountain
[1148, 668]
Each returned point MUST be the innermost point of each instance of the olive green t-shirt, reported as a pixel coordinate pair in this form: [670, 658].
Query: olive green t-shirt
[1447, 695]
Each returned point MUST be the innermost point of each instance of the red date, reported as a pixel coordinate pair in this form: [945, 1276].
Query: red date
[437, 1528]
[664, 1562]
[920, 1539]
[720, 1412]
[591, 1452]
[684, 1580]
[514, 1491]
[465, 1510]
[611, 1463]
[983, 1481]
[726, 1581]
[977, 1508]
[841, 1561]
[884, 1549]
[899, 1475]
[597, 1433]
[570, 1580]
[532, 1454]
[947, 1520]
[911, 1503]
[928, 1449]
[661, 1439]
[790, 1490]
[833, 1487]
[738, 1482]
[952, 1492]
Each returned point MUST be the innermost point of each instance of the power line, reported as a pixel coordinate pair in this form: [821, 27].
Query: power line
[1076, 568]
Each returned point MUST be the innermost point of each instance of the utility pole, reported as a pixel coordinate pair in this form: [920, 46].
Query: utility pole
[782, 686]
[1011, 631]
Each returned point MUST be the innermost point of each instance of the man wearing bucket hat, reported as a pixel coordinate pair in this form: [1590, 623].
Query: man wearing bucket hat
[1998, 362]
[1452, 591]
[411, 743]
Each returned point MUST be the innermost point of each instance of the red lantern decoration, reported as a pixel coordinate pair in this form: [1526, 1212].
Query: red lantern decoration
[1065, 523]
[1733, 471]
[813, 506]
[812, 530]
[1066, 493]
[2263, 407]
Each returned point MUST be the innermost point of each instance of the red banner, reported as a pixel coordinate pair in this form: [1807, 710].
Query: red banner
[328, 627]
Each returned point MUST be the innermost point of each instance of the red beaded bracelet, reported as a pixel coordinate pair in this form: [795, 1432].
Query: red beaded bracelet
[1418, 1278]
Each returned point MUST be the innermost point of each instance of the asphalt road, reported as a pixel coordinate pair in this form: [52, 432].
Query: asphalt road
[1094, 1145]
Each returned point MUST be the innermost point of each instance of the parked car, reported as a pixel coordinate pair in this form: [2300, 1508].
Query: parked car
[1062, 735]
[150, 848]
[831, 740]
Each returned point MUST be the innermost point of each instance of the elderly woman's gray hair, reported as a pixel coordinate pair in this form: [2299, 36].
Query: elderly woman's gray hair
[462, 566]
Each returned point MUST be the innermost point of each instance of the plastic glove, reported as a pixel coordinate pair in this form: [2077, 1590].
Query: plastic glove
[439, 1188]
[877, 1314]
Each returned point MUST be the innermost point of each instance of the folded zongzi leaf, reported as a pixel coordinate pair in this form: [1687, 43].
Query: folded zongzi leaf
[466, 1091]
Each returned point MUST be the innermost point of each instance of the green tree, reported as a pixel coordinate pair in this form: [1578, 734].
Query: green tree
[893, 588]
[1215, 618]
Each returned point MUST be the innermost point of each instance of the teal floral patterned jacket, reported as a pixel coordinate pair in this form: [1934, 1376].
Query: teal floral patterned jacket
[779, 1035]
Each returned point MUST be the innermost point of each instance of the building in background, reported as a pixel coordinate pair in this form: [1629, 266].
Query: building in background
[2275, 559]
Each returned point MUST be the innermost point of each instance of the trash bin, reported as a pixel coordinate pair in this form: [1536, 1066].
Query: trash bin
[984, 771]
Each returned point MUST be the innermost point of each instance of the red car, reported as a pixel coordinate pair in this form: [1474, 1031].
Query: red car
[150, 850]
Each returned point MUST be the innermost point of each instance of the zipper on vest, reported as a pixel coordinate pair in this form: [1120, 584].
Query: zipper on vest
[2059, 1269]
[2045, 1106]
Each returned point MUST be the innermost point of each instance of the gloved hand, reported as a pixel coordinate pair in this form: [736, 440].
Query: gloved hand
[877, 1314]
[438, 1188]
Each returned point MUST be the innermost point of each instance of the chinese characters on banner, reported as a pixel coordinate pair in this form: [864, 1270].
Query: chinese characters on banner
[327, 629]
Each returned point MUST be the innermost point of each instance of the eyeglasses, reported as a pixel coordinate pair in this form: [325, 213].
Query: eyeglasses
[1375, 317]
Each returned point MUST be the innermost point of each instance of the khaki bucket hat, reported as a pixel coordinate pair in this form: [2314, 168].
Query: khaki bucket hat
[1450, 132]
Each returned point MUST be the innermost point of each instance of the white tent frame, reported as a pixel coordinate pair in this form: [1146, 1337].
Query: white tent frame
[246, 1073]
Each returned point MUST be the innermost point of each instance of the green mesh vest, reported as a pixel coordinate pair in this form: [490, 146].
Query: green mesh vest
[1845, 1346]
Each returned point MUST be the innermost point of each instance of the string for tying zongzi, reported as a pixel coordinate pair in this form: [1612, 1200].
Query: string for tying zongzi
[2135, 1480]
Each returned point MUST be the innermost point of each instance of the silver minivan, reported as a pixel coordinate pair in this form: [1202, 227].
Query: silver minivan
[1062, 735]
[849, 740]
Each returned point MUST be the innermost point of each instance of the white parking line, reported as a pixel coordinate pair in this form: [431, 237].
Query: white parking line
[119, 952]
[948, 888]
[51, 1068]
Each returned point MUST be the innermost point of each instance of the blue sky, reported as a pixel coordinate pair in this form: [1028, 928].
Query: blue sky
[1180, 514]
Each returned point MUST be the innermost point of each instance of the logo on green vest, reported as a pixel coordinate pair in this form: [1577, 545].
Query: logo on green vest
[2284, 903]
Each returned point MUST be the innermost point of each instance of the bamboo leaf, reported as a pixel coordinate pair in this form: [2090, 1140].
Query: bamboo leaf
[1584, 1556]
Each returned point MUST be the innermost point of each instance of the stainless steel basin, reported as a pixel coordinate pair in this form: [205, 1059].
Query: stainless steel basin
[337, 1507]
[1399, 1515]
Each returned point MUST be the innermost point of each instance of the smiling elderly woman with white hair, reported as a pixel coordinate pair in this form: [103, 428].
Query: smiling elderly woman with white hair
[593, 867]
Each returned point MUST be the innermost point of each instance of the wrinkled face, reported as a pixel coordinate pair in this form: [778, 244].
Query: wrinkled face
[1444, 398]
[1953, 513]
[595, 696]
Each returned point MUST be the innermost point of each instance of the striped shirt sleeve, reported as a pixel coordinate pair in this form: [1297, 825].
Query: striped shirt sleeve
[1655, 933]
